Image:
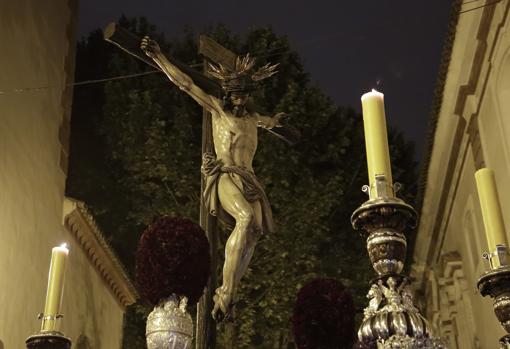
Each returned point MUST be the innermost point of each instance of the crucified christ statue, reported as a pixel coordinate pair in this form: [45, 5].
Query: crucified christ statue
[230, 179]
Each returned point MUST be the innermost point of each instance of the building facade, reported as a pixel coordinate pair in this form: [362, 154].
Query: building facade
[469, 129]
[36, 73]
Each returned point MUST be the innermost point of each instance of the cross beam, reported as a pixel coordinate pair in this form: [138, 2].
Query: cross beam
[205, 337]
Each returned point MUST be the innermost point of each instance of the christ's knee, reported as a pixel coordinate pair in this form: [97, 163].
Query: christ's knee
[245, 220]
[239, 237]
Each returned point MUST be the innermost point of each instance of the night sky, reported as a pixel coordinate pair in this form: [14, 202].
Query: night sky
[347, 47]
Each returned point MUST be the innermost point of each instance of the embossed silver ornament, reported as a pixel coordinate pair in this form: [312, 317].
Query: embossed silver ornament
[169, 325]
[391, 315]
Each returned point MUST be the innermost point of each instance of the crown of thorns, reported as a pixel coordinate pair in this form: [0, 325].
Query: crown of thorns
[242, 77]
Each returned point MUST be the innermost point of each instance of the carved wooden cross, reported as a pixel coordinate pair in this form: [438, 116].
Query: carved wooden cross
[205, 337]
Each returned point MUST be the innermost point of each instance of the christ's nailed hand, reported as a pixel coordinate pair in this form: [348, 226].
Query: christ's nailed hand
[150, 47]
[278, 117]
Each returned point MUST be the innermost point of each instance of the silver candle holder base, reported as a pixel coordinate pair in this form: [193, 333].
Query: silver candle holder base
[496, 284]
[48, 340]
[390, 320]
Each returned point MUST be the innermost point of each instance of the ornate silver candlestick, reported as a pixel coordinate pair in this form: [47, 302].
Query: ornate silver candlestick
[48, 339]
[496, 284]
[390, 320]
[496, 281]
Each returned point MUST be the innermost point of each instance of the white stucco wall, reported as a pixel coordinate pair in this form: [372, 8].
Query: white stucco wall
[451, 226]
[35, 39]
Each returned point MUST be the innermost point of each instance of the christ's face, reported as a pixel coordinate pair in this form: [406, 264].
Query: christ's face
[239, 98]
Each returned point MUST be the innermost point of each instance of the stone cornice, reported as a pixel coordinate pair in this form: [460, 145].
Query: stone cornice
[81, 224]
[466, 125]
[446, 56]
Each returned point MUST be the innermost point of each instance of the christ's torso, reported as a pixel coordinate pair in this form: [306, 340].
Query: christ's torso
[235, 138]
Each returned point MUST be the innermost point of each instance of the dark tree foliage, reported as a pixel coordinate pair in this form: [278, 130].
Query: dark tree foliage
[136, 152]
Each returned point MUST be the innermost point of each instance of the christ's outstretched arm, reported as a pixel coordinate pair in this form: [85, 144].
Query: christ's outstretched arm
[179, 78]
[269, 122]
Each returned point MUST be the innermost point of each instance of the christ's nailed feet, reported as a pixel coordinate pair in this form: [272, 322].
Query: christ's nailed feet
[223, 309]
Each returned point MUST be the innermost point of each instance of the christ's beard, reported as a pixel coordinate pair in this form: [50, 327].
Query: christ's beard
[239, 110]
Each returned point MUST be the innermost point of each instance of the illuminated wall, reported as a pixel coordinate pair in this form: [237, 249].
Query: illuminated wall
[37, 50]
[472, 130]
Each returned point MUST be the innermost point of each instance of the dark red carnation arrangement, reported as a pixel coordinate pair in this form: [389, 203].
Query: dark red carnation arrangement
[323, 316]
[172, 258]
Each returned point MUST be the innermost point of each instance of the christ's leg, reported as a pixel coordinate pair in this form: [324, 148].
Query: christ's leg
[232, 200]
[253, 237]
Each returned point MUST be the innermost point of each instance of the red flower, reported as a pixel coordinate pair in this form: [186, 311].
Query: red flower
[172, 257]
[323, 316]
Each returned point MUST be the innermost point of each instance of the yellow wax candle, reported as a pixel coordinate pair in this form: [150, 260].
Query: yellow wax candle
[55, 287]
[491, 209]
[376, 139]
